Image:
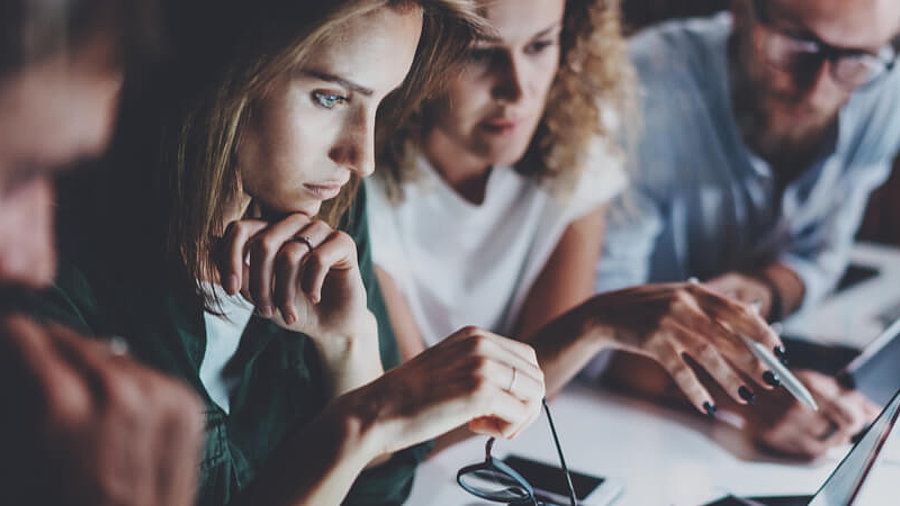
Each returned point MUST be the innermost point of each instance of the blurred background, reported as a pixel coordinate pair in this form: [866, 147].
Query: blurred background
[882, 221]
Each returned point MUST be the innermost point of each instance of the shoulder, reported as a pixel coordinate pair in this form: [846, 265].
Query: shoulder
[603, 177]
[873, 123]
[679, 49]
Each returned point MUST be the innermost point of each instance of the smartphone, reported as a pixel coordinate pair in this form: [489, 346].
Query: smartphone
[549, 483]
[788, 500]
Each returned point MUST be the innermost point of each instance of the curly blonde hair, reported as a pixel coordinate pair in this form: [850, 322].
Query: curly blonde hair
[594, 70]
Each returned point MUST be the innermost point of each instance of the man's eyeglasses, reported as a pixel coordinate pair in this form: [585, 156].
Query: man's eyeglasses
[495, 481]
[851, 68]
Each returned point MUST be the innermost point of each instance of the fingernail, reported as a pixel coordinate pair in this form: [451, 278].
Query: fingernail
[781, 354]
[747, 395]
[710, 409]
[770, 378]
[291, 319]
[265, 311]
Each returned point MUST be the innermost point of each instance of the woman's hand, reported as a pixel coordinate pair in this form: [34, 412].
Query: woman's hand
[669, 322]
[299, 272]
[490, 382]
[783, 425]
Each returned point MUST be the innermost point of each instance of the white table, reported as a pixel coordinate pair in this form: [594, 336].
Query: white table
[851, 317]
[663, 455]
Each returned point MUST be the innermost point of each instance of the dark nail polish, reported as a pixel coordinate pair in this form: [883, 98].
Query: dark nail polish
[747, 395]
[781, 354]
[859, 435]
[710, 409]
[770, 378]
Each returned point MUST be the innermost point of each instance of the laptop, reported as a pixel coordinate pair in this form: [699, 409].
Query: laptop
[868, 476]
[875, 372]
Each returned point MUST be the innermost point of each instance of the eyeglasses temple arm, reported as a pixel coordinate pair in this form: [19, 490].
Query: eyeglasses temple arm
[562, 460]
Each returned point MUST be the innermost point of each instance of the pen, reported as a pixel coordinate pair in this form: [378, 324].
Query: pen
[788, 380]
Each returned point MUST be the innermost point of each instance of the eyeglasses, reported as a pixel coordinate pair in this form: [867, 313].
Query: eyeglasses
[851, 68]
[496, 481]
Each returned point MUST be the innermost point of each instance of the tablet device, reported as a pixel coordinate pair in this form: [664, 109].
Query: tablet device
[875, 372]
[846, 486]
[550, 485]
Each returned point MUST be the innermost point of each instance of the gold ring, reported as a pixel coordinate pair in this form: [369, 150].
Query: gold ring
[512, 381]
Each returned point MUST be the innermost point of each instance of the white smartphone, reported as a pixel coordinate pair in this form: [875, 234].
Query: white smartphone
[550, 485]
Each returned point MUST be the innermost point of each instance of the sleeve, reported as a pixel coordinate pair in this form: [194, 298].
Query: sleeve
[391, 482]
[70, 301]
[601, 181]
[632, 225]
[819, 253]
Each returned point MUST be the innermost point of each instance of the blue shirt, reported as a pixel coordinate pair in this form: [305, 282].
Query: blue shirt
[703, 204]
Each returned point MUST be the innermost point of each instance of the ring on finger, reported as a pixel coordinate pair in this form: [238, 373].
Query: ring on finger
[304, 239]
[117, 346]
[512, 381]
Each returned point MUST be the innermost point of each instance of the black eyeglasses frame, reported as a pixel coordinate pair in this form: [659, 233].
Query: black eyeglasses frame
[494, 465]
[827, 52]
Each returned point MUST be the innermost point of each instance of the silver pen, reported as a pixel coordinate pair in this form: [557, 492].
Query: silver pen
[788, 380]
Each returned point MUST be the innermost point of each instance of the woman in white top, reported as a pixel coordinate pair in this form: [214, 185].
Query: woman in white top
[487, 209]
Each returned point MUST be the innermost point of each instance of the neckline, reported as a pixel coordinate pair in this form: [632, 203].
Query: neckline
[496, 173]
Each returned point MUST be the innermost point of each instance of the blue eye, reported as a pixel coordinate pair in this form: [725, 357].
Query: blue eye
[328, 100]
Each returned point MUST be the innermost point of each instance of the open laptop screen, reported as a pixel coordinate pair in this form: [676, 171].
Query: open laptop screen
[850, 479]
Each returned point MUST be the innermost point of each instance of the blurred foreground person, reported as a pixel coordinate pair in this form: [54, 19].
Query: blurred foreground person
[83, 424]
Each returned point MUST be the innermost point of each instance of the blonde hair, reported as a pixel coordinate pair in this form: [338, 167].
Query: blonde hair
[594, 70]
[204, 94]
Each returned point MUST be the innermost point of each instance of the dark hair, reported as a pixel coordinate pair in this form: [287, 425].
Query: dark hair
[32, 30]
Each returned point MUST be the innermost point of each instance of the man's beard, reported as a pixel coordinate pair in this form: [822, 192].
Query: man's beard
[780, 139]
[780, 136]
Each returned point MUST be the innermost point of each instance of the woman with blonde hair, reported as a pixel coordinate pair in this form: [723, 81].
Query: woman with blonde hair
[488, 208]
[225, 240]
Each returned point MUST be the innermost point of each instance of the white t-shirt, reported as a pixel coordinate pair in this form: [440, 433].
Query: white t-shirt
[459, 263]
[223, 335]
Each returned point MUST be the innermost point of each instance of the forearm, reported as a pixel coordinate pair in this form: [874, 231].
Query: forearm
[350, 361]
[567, 278]
[565, 345]
[318, 464]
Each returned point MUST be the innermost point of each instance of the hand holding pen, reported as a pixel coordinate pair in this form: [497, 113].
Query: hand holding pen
[682, 325]
[776, 363]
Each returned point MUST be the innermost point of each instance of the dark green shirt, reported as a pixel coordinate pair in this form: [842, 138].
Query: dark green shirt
[281, 386]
